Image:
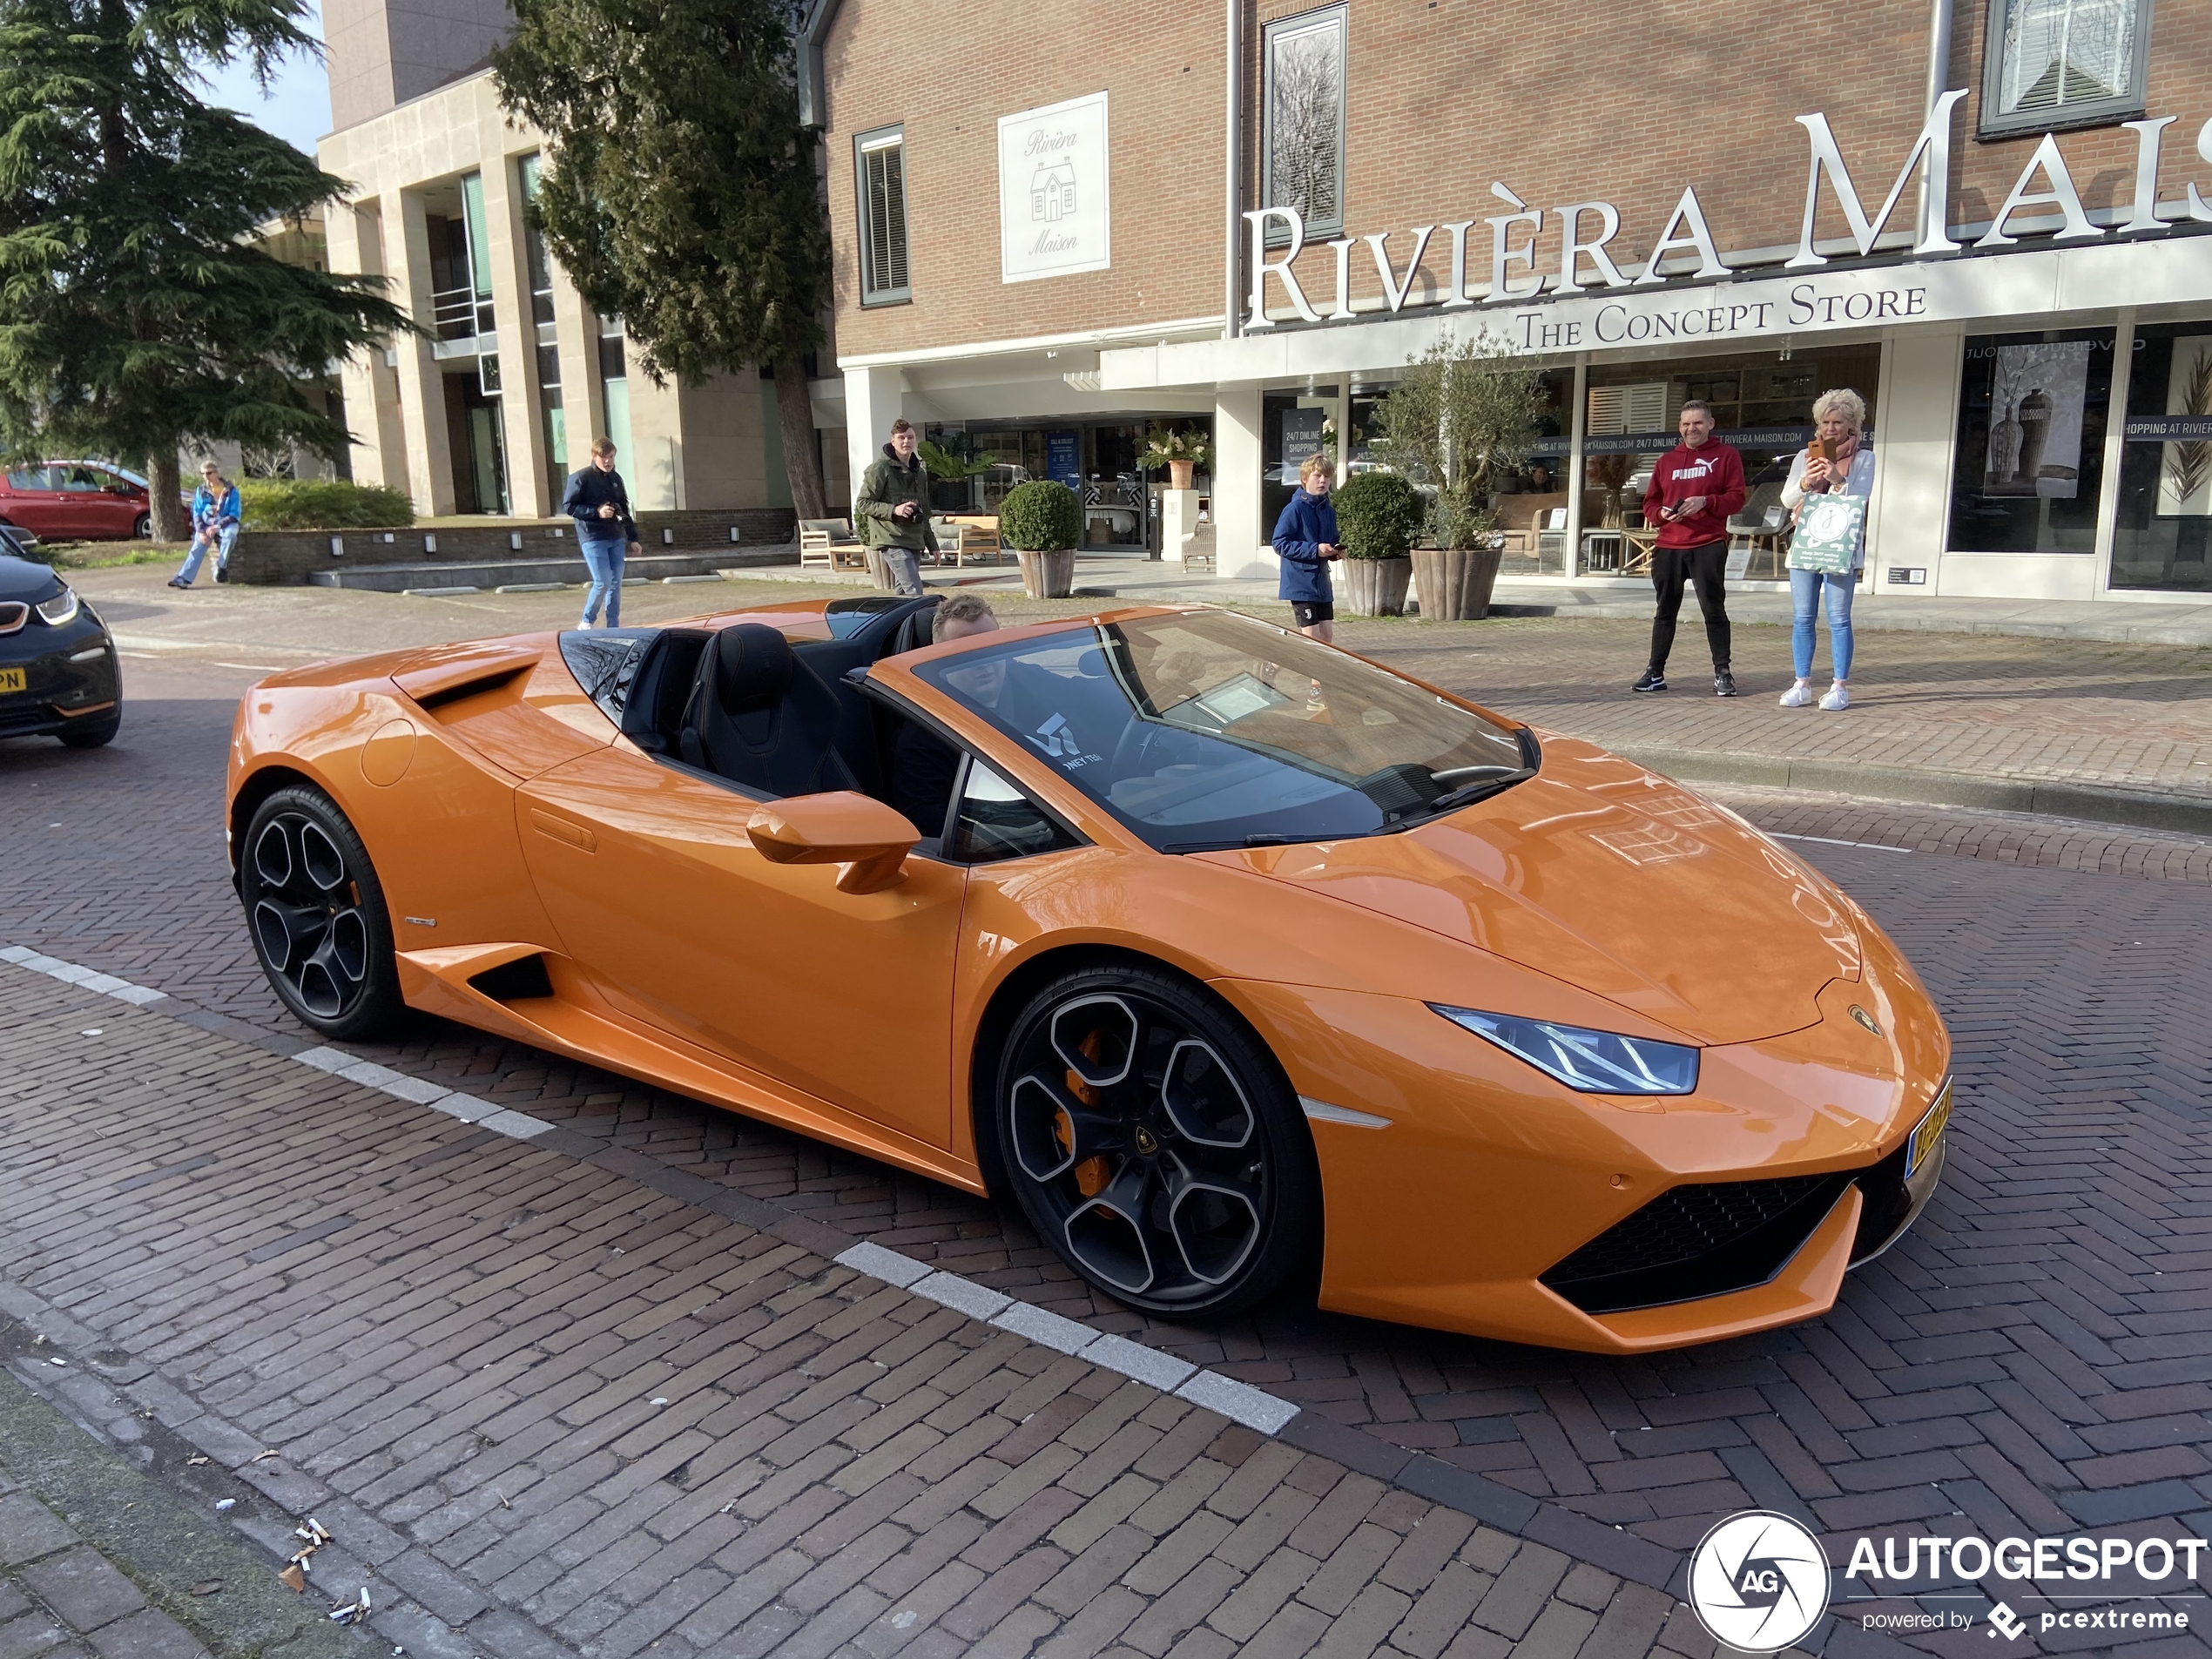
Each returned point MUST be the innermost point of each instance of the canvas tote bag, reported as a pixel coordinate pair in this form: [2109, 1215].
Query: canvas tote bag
[1830, 530]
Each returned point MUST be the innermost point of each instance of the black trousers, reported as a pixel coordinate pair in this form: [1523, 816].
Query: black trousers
[1704, 567]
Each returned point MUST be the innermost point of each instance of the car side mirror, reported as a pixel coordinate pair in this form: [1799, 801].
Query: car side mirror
[870, 840]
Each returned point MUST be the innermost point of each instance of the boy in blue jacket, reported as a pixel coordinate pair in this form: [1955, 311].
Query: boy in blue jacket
[1306, 542]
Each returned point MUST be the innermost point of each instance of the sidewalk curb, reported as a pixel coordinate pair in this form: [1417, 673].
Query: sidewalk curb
[2087, 803]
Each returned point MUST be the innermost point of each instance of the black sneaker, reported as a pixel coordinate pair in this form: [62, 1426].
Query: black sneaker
[1652, 680]
[1723, 682]
[221, 574]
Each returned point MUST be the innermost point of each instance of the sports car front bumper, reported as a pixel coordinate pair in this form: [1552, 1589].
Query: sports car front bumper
[1493, 1200]
[69, 673]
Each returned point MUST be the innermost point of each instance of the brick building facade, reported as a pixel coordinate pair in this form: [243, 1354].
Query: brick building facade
[2032, 383]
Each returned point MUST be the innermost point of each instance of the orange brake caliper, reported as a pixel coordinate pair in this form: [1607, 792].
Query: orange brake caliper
[1091, 1174]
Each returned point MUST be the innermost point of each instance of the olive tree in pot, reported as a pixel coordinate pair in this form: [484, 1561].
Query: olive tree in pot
[1462, 417]
[1379, 516]
[1041, 520]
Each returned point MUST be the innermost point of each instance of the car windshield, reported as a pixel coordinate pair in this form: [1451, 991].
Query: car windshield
[1209, 730]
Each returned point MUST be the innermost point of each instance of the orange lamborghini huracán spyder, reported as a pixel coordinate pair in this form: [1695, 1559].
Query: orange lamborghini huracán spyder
[1228, 955]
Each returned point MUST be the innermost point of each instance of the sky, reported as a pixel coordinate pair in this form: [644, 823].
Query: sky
[297, 106]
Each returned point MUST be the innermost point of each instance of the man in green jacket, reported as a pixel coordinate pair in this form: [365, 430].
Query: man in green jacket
[893, 508]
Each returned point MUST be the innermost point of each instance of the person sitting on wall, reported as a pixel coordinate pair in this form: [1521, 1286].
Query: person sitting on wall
[599, 503]
[1306, 542]
[214, 524]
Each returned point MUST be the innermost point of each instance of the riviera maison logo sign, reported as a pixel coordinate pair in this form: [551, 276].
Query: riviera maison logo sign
[1586, 230]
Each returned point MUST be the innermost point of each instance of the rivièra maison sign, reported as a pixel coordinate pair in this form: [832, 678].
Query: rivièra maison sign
[1586, 265]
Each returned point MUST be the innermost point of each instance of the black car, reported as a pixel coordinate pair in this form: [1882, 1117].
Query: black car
[58, 676]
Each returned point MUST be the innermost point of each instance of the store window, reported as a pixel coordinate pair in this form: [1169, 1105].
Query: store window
[880, 170]
[1292, 426]
[2029, 468]
[1762, 406]
[1302, 140]
[2063, 64]
[2163, 537]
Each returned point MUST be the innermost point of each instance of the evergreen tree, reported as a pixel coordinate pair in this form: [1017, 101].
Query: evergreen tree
[137, 314]
[679, 190]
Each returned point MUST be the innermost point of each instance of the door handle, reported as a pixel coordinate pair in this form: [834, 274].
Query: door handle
[560, 829]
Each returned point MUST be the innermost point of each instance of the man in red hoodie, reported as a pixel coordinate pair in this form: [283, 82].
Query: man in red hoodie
[1694, 492]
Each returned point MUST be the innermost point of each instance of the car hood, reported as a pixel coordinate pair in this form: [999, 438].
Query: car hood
[27, 581]
[1617, 880]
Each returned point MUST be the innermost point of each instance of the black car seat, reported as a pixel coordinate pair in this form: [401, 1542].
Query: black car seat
[660, 688]
[914, 630]
[761, 718]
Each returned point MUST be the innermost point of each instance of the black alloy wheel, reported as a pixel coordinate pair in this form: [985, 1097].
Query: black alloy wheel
[316, 911]
[1154, 1143]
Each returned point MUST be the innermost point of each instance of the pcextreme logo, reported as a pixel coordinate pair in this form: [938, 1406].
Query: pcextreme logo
[1760, 1581]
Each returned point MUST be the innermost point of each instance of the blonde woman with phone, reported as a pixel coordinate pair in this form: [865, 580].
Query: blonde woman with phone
[1839, 462]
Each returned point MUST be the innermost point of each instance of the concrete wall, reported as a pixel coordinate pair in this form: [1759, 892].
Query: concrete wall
[285, 557]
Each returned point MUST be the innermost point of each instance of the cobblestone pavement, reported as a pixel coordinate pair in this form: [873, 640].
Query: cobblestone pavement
[543, 1408]
[2034, 1358]
[60, 1597]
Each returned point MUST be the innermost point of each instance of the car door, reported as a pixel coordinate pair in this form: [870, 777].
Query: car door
[33, 504]
[118, 508]
[80, 508]
[654, 889]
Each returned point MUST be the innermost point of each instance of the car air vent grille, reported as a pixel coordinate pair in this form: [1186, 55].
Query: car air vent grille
[516, 981]
[13, 615]
[1694, 1241]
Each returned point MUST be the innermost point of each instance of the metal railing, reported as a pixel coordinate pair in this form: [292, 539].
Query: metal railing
[459, 313]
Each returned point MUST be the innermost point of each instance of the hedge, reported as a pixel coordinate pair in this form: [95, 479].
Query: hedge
[321, 504]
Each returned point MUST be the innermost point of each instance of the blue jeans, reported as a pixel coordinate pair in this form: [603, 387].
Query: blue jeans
[605, 559]
[1804, 598]
[223, 536]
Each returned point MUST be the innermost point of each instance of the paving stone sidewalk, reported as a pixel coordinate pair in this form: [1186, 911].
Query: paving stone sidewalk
[547, 1410]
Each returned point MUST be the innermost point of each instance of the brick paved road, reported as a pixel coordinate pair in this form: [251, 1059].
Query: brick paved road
[2035, 1356]
[544, 1409]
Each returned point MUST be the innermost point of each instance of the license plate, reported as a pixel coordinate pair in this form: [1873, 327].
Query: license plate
[11, 680]
[1930, 1131]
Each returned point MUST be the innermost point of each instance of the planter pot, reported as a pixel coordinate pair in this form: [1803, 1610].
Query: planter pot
[1179, 473]
[1454, 582]
[1376, 587]
[1047, 575]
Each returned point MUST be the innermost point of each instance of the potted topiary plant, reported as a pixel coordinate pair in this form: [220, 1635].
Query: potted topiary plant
[1042, 522]
[1462, 417]
[1182, 450]
[1379, 516]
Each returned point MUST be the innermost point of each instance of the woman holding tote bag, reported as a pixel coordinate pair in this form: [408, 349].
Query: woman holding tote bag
[1826, 495]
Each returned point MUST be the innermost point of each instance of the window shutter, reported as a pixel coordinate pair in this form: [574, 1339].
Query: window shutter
[883, 194]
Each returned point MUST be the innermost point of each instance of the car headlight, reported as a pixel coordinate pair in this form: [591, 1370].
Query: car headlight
[60, 609]
[1595, 1062]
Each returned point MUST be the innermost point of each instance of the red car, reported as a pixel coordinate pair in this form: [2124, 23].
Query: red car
[75, 501]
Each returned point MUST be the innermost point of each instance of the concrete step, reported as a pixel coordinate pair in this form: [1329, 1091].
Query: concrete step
[451, 574]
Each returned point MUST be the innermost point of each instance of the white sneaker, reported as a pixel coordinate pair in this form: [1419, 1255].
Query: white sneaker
[1837, 698]
[1798, 696]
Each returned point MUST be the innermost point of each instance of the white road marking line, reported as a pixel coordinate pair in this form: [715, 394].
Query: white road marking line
[84, 978]
[1254, 1407]
[1829, 840]
[1240, 1402]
